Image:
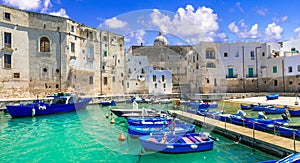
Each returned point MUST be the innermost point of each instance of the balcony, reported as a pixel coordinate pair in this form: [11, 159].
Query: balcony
[231, 76]
[251, 76]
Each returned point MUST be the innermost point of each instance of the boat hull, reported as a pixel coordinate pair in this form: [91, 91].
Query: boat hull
[294, 113]
[39, 109]
[176, 143]
[137, 131]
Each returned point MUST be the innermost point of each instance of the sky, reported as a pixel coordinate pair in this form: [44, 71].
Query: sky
[185, 22]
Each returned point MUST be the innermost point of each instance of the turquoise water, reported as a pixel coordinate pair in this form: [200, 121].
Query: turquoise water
[88, 136]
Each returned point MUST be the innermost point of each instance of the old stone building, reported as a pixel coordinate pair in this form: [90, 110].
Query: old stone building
[42, 54]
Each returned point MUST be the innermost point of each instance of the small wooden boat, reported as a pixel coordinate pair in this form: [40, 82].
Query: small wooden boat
[261, 107]
[292, 158]
[185, 143]
[247, 107]
[171, 127]
[60, 103]
[108, 103]
[272, 96]
[275, 110]
[133, 121]
[288, 132]
[294, 113]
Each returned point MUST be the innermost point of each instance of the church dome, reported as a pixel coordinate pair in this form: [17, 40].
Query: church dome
[160, 40]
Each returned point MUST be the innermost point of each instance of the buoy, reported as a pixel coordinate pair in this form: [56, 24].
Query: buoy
[121, 137]
[106, 115]
[112, 121]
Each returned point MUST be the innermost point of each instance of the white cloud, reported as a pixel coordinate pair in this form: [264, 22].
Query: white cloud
[135, 38]
[280, 20]
[297, 31]
[262, 12]
[243, 33]
[113, 23]
[187, 22]
[47, 5]
[23, 4]
[233, 28]
[273, 32]
[238, 5]
[62, 13]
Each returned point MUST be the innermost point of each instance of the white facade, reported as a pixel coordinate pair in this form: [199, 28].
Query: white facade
[160, 81]
[292, 65]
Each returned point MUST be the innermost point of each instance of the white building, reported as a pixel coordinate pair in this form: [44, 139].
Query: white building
[160, 81]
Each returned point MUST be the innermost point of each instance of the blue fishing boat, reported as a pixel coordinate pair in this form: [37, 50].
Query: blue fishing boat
[272, 96]
[198, 105]
[247, 107]
[185, 143]
[108, 103]
[59, 103]
[275, 110]
[171, 127]
[133, 121]
[294, 113]
[292, 158]
[288, 132]
[261, 107]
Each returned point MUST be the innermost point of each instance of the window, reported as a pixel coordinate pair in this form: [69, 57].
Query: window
[113, 79]
[7, 61]
[127, 85]
[105, 81]
[230, 73]
[210, 54]
[140, 62]
[72, 29]
[143, 71]
[154, 78]
[252, 55]
[16, 75]
[91, 52]
[263, 54]
[250, 72]
[163, 78]
[236, 54]
[7, 40]
[91, 35]
[210, 65]
[73, 47]
[164, 85]
[274, 69]
[225, 54]
[121, 74]
[290, 69]
[105, 54]
[155, 85]
[298, 68]
[91, 79]
[7, 15]
[275, 82]
[104, 38]
[215, 82]
[44, 44]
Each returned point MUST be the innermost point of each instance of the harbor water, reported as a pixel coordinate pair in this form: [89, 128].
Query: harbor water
[88, 136]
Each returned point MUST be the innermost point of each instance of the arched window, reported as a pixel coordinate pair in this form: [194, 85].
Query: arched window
[44, 44]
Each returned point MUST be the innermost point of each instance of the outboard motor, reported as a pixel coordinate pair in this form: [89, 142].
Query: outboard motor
[261, 115]
[241, 113]
[284, 116]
